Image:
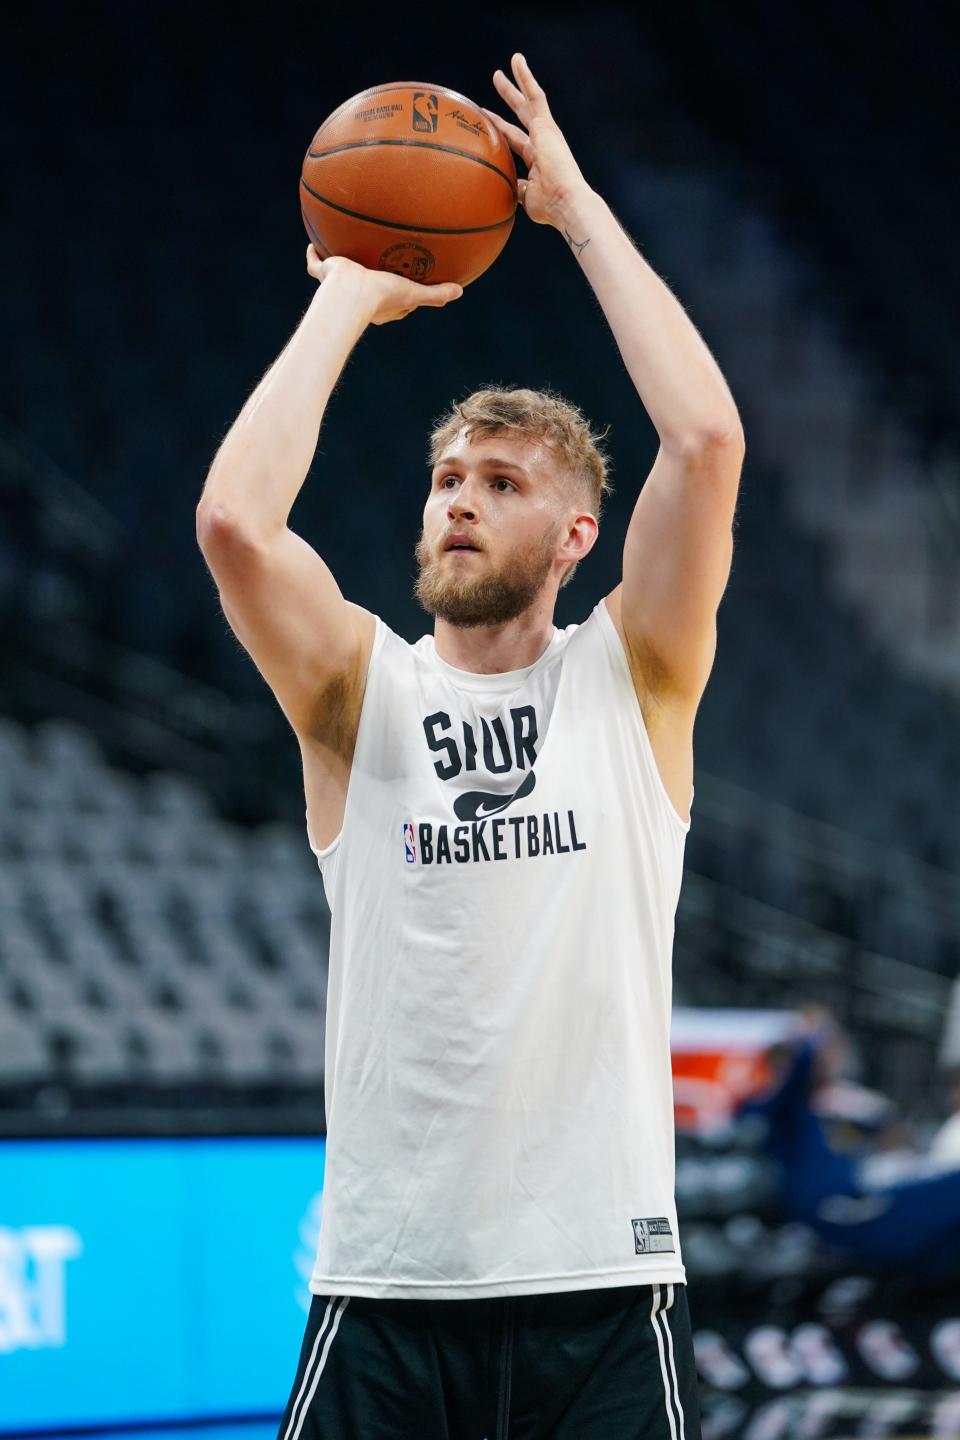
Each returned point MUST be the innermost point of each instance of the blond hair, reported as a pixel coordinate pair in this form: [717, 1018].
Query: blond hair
[535, 415]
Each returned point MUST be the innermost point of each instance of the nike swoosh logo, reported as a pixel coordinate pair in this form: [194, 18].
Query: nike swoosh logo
[481, 804]
[486, 808]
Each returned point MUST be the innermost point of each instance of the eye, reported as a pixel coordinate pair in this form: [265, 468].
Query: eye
[502, 480]
[443, 482]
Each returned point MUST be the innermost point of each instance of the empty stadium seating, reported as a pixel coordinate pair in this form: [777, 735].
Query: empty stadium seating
[144, 939]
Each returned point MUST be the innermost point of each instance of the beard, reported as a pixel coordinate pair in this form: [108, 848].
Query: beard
[489, 599]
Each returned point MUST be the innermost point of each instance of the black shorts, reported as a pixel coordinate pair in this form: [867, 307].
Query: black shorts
[614, 1364]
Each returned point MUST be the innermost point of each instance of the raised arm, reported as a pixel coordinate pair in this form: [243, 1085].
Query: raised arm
[679, 544]
[279, 597]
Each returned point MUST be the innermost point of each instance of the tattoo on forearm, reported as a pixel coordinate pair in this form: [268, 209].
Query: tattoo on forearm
[578, 245]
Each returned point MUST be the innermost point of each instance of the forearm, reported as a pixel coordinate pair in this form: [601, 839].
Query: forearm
[677, 378]
[263, 461]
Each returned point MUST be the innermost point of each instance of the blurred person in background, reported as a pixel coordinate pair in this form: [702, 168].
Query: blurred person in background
[849, 1168]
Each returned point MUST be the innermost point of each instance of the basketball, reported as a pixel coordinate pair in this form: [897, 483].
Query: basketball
[412, 178]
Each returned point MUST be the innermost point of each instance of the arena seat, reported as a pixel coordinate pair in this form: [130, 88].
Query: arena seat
[88, 1048]
[168, 793]
[301, 1036]
[166, 1049]
[105, 981]
[242, 1054]
[24, 1059]
[33, 981]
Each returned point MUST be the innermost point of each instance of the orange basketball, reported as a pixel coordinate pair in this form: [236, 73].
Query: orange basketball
[412, 178]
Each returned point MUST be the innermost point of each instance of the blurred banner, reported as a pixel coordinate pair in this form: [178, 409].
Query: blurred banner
[153, 1279]
[166, 1280]
[720, 1056]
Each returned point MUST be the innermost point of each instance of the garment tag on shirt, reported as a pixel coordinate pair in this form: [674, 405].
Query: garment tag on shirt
[652, 1236]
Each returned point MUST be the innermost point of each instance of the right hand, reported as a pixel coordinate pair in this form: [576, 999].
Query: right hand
[389, 296]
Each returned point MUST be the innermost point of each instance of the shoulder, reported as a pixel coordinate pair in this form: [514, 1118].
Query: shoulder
[378, 639]
[367, 625]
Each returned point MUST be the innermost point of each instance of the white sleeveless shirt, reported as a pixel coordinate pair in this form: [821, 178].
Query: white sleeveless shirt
[503, 892]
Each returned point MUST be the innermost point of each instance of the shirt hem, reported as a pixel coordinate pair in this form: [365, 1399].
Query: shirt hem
[368, 1288]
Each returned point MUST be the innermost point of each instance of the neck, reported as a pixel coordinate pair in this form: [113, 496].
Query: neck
[492, 649]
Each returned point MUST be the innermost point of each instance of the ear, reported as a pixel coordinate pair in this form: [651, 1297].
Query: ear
[581, 536]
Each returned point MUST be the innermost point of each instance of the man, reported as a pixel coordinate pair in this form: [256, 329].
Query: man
[499, 813]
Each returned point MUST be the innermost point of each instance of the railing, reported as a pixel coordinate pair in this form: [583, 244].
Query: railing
[864, 869]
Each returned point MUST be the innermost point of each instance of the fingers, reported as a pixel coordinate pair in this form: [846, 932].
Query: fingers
[511, 96]
[531, 88]
[432, 297]
[441, 294]
[410, 294]
[518, 140]
[526, 98]
[315, 265]
[396, 288]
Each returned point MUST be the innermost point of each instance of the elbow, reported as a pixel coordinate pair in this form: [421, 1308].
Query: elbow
[717, 443]
[730, 435]
[213, 520]
[724, 433]
[219, 528]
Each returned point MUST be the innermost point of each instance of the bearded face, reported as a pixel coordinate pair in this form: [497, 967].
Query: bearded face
[467, 588]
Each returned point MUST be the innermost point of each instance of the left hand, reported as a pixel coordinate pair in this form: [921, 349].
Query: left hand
[553, 176]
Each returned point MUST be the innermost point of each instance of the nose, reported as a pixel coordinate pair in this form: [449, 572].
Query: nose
[461, 505]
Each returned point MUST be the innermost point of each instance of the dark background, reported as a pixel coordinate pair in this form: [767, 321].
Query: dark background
[153, 266]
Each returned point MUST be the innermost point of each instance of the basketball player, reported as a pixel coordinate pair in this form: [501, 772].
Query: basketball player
[499, 812]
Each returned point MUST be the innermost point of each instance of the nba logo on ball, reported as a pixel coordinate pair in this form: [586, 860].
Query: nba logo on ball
[409, 844]
[425, 112]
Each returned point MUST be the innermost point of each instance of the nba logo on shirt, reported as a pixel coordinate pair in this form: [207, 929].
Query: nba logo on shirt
[409, 844]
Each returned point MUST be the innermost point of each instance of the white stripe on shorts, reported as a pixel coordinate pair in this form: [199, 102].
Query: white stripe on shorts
[667, 1392]
[344, 1302]
[665, 1318]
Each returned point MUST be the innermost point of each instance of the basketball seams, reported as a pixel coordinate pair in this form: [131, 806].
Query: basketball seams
[399, 224]
[315, 235]
[418, 145]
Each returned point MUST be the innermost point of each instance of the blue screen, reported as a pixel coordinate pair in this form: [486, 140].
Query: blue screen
[153, 1279]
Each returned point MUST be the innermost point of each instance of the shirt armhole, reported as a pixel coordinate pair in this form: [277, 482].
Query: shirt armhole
[324, 854]
[616, 644]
